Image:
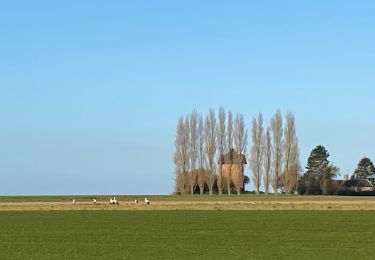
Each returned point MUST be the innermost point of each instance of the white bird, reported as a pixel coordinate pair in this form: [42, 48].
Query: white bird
[136, 201]
[147, 201]
[115, 202]
[94, 201]
[110, 201]
[74, 201]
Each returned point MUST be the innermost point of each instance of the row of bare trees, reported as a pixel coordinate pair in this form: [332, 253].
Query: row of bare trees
[274, 154]
[195, 151]
[200, 141]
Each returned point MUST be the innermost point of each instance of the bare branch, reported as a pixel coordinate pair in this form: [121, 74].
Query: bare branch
[229, 141]
[240, 134]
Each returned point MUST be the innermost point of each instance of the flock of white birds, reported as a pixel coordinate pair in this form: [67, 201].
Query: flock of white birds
[113, 201]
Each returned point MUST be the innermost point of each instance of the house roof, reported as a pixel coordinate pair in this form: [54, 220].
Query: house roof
[358, 183]
[232, 158]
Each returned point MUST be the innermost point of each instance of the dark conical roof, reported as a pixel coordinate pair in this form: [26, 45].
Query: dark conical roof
[232, 158]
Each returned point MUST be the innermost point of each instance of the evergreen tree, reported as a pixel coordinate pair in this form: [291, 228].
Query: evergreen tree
[319, 172]
[364, 169]
[317, 160]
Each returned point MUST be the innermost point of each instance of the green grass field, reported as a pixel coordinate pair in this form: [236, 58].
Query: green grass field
[186, 234]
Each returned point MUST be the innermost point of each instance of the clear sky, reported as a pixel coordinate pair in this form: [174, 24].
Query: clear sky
[90, 91]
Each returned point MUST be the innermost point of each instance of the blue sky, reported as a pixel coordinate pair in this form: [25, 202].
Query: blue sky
[90, 91]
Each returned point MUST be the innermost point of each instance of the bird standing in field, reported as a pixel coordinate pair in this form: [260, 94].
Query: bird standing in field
[74, 201]
[147, 201]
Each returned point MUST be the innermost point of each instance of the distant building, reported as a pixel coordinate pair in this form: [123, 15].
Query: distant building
[233, 165]
[358, 185]
[371, 178]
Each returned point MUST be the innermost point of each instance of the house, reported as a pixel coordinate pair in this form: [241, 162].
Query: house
[232, 166]
[358, 185]
[371, 178]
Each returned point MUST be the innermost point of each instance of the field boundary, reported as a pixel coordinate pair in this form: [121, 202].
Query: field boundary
[189, 203]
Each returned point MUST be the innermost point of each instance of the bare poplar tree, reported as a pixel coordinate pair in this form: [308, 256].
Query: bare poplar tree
[240, 143]
[267, 146]
[180, 158]
[240, 134]
[277, 147]
[193, 151]
[201, 155]
[187, 138]
[291, 155]
[229, 143]
[221, 144]
[256, 156]
[210, 126]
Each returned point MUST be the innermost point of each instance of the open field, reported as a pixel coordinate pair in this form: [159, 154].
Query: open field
[186, 234]
[234, 202]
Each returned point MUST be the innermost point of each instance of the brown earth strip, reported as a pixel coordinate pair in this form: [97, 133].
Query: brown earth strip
[163, 203]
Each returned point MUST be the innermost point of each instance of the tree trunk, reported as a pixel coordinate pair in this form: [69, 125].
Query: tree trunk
[219, 183]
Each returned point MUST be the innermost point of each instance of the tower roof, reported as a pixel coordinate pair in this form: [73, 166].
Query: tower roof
[232, 158]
